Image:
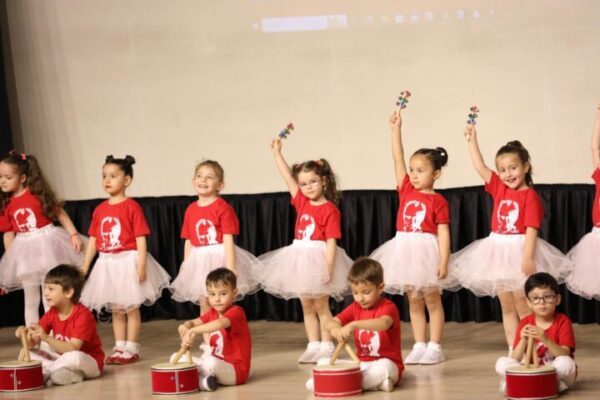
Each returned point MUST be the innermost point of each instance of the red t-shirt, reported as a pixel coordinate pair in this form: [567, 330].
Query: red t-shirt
[514, 210]
[320, 222]
[204, 226]
[25, 213]
[560, 332]
[234, 344]
[5, 225]
[115, 226]
[79, 325]
[420, 212]
[596, 208]
[373, 345]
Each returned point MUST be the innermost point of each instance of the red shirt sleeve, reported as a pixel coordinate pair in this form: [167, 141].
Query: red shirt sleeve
[235, 317]
[596, 176]
[84, 327]
[347, 315]
[229, 221]
[46, 321]
[566, 336]
[333, 224]
[388, 309]
[140, 226]
[441, 211]
[494, 184]
[534, 210]
[299, 199]
[208, 316]
[185, 224]
[405, 187]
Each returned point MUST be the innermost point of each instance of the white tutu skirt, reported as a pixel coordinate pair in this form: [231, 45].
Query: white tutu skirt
[585, 278]
[494, 264]
[32, 254]
[410, 263]
[300, 271]
[190, 284]
[114, 283]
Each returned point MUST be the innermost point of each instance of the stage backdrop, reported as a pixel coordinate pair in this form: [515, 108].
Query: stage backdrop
[173, 81]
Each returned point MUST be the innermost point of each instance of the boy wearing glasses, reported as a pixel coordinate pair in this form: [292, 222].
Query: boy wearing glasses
[552, 332]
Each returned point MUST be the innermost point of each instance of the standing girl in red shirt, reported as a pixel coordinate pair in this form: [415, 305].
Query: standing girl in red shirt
[585, 280]
[125, 274]
[415, 261]
[313, 267]
[28, 208]
[208, 228]
[499, 264]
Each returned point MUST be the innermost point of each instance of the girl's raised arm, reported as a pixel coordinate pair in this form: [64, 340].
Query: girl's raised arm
[397, 148]
[483, 170]
[284, 168]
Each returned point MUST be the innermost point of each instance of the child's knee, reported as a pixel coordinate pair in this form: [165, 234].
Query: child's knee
[503, 363]
[565, 366]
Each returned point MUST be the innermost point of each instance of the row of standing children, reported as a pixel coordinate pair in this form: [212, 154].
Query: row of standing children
[318, 265]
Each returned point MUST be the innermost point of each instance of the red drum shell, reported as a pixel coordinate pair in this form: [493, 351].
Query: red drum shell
[174, 378]
[336, 381]
[531, 383]
[21, 376]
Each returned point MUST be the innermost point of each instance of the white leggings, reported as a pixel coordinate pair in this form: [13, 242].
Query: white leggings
[209, 365]
[32, 296]
[73, 360]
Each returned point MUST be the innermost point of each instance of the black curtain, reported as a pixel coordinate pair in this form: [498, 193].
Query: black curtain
[368, 219]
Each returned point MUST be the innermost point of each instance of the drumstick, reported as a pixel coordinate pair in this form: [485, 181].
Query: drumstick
[25, 351]
[536, 359]
[529, 351]
[182, 350]
[336, 353]
[353, 355]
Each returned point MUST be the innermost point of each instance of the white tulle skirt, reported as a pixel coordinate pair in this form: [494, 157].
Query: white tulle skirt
[300, 271]
[494, 264]
[190, 284]
[32, 254]
[410, 263]
[585, 278]
[114, 283]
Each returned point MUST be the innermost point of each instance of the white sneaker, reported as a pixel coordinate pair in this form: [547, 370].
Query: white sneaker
[326, 350]
[310, 385]
[503, 386]
[414, 357]
[433, 355]
[387, 385]
[562, 386]
[65, 376]
[208, 383]
[311, 354]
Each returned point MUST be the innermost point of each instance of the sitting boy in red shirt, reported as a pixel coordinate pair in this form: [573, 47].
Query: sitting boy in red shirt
[375, 322]
[228, 360]
[552, 332]
[65, 340]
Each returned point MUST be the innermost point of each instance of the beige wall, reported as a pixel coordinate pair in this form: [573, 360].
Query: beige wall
[174, 81]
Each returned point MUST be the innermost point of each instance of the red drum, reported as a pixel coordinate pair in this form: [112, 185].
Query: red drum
[336, 381]
[531, 383]
[170, 378]
[20, 376]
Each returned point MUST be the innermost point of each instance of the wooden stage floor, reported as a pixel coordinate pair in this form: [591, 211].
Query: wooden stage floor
[471, 350]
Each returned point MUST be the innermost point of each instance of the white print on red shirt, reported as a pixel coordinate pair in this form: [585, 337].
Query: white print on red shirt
[206, 232]
[369, 342]
[110, 230]
[216, 342]
[508, 214]
[306, 226]
[25, 219]
[414, 214]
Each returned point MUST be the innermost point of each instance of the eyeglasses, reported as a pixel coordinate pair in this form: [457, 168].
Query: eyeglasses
[547, 298]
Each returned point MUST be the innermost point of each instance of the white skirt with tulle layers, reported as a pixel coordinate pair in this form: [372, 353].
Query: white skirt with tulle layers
[32, 254]
[585, 278]
[410, 263]
[190, 284]
[300, 271]
[494, 264]
[114, 282]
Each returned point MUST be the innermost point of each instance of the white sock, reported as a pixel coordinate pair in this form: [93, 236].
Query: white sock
[313, 346]
[120, 345]
[420, 344]
[133, 348]
[326, 345]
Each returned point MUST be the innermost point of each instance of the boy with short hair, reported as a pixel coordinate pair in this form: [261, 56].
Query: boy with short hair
[226, 360]
[552, 332]
[375, 323]
[73, 351]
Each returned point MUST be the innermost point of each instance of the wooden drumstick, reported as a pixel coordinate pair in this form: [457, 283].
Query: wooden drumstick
[182, 350]
[528, 353]
[336, 353]
[25, 350]
[352, 354]
[536, 359]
